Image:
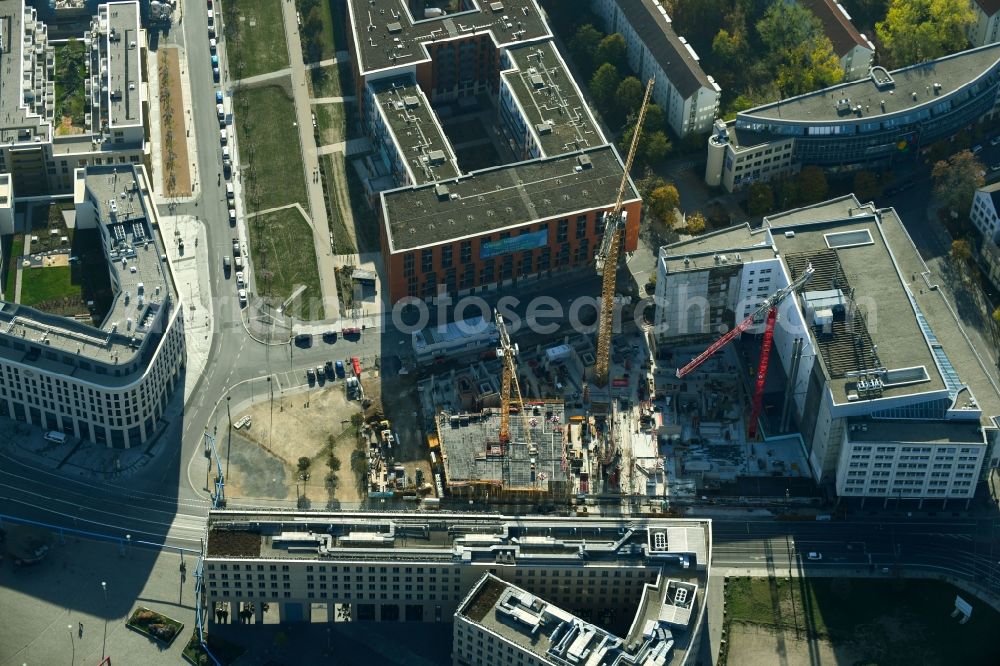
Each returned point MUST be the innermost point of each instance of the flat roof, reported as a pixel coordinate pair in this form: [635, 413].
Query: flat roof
[501, 197]
[387, 34]
[908, 319]
[931, 82]
[135, 255]
[915, 432]
[678, 59]
[533, 460]
[17, 30]
[552, 105]
[558, 636]
[472, 538]
[123, 47]
[425, 149]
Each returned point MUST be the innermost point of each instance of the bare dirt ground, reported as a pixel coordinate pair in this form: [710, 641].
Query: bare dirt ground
[56, 260]
[404, 417]
[301, 426]
[172, 120]
[756, 645]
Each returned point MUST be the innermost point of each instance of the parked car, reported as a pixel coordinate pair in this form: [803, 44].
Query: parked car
[212, 44]
[218, 97]
[813, 555]
[236, 247]
[995, 141]
[310, 375]
[223, 137]
[329, 369]
[339, 366]
[239, 279]
[350, 331]
[215, 74]
[232, 217]
[225, 154]
[230, 192]
[976, 149]
[995, 167]
[243, 297]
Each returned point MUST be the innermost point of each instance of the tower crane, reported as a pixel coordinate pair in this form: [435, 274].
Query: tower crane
[506, 353]
[607, 255]
[769, 306]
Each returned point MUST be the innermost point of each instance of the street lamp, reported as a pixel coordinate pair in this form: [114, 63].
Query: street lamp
[72, 643]
[104, 645]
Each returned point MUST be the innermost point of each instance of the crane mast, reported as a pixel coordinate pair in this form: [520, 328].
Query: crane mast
[607, 255]
[506, 353]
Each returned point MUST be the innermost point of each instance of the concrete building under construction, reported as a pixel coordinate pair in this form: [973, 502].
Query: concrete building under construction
[531, 466]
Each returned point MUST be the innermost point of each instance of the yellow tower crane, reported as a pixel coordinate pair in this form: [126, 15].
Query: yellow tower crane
[607, 255]
[506, 353]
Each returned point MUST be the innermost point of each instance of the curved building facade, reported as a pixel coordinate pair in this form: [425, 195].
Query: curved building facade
[871, 123]
[109, 383]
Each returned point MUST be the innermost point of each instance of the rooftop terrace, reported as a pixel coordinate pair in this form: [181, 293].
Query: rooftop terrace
[387, 34]
[501, 197]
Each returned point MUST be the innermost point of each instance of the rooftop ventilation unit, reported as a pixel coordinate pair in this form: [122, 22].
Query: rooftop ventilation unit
[441, 191]
[395, 28]
[584, 162]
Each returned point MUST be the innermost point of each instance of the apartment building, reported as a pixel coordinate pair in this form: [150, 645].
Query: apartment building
[111, 383]
[986, 28]
[458, 229]
[985, 217]
[689, 97]
[871, 123]
[854, 50]
[39, 152]
[890, 397]
[426, 567]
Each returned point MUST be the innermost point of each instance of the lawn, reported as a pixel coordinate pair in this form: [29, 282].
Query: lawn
[282, 246]
[329, 81]
[269, 148]
[65, 290]
[13, 247]
[70, 74]
[340, 213]
[330, 35]
[888, 621]
[255, 34]
[330, 122]
[50, 287]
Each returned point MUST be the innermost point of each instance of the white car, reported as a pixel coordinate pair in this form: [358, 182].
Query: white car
[223, 137]
[232, 216]
[995, 140]
[239, 279]
[225, 154]
[243, 296]
[811, 555]
[230, 193]
[212, 45]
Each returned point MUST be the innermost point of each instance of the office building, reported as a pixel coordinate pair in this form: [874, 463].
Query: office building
[853, 49]
[38, 149]
[871, 123]
[887, 391]
[450, 221]
[109, 383]
[985, 217]
[425, 567]
[689, 97]
[986, 28]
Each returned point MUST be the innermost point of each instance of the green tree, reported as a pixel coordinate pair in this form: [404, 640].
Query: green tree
[917, 30]
[866, 186]
[809, 66]
[760, 198]
[785, 26]
[787, 193]
[696, 223]
[956, 180]
[655, 120]
[812, 184]
[628, 97]
[729, 52]
[648, 182]
[612, 50]
[654, 146]
[603, 85]
[663, 201]
[996, 316]
[583, 47]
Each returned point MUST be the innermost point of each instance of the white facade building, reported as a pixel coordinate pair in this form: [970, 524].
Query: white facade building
[986, 28]
[110, 383]
[883, 361]
[689, 97]
[34, 148]
[985, 213]
[855, 51]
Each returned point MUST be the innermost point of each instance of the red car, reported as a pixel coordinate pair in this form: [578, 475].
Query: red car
[350, 331]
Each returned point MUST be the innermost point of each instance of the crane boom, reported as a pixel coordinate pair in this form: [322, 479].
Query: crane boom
[772, 302]
[607, 256]
[765, 358]
[506, 353]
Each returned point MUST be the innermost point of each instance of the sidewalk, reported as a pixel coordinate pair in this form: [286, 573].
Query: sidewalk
[310, 161]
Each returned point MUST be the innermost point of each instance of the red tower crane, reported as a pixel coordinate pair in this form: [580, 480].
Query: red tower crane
[769, 306]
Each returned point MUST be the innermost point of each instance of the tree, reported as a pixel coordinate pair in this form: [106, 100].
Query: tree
[655, 119]
[729, 51]
[695, 223]
[787, 193]
[583, 47]
[611, 50]
[304, 463]
[917, 30]
[996, 316]
[760, 198]
[629, 95]
[785, 26]
[809, 66]
[603, 86]
[654, 146]
[866, 187]
[961, 252]
[663, 201]
[956, 180]
[812, 184]
[648, 182]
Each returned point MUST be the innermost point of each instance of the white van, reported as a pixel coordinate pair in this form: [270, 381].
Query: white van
[55, 436]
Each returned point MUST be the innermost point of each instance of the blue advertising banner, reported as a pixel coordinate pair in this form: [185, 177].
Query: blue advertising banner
[536, 239]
